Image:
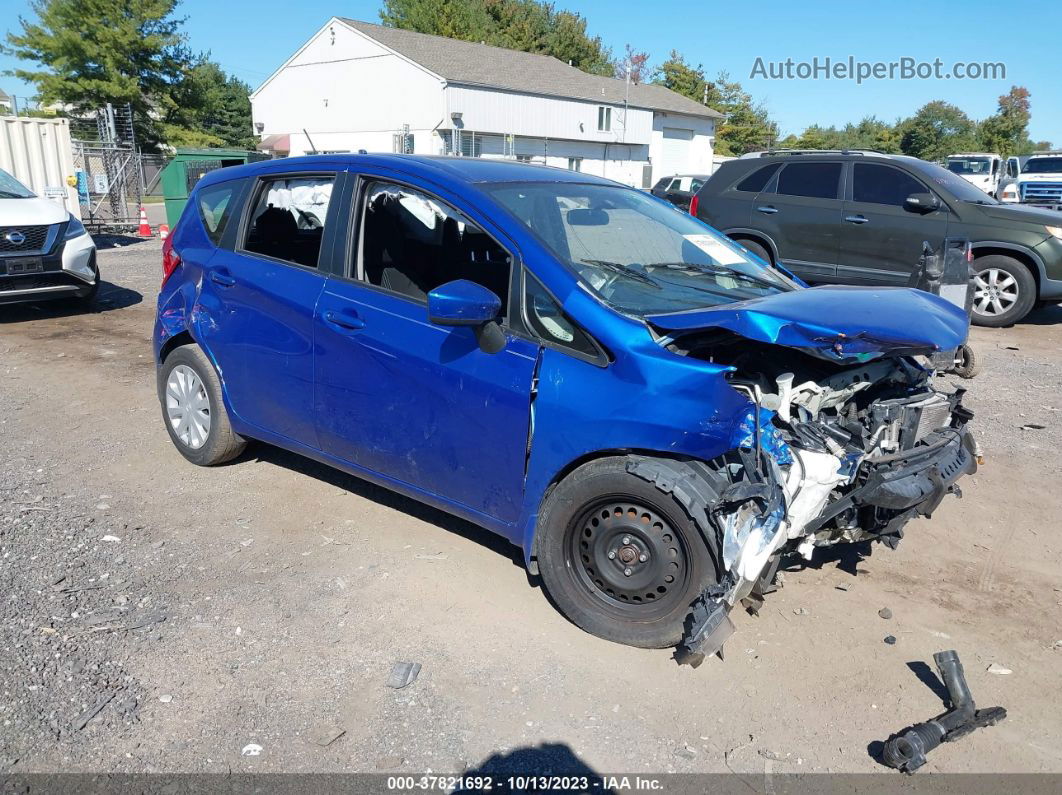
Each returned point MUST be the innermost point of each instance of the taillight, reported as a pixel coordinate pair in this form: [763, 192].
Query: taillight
[170, 259]
[693, 206]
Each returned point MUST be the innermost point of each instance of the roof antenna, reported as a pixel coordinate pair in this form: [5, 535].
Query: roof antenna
[308, 138]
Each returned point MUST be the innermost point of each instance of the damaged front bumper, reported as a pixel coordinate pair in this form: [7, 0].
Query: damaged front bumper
[778, 494]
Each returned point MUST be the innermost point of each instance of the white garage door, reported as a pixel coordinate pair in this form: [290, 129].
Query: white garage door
[676, 154]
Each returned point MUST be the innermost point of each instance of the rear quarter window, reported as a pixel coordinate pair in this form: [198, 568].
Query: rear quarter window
[758, 179]
[215, 208]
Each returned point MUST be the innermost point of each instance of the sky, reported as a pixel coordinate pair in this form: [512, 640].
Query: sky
[251, 39]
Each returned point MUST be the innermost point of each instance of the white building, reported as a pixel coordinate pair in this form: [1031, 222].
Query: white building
[356, 86]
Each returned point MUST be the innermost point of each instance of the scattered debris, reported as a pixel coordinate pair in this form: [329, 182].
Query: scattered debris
[774, 756]
[906, 750]
[885, 613]
[436, 556]
[111, 539]
[83, 719]
[403, 674]
[165, 698]
[1033, 426]
[158, 544]
[802, 611]
[890, 639]
[252, 749]
[326, 735]
[686, 752]
[996, 668]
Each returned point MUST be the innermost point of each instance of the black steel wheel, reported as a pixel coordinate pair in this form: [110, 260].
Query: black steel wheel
[628, 556]
[619, 557]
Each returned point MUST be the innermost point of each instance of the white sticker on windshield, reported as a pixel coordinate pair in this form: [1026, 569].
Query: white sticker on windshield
[716, 249]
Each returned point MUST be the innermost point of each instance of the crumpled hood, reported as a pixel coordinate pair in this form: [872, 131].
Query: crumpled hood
[835, 323]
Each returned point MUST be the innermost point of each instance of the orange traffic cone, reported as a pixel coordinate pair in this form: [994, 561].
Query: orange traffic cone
[145, 229]
[164, 231]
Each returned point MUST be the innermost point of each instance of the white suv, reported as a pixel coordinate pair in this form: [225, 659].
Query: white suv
[45, 251]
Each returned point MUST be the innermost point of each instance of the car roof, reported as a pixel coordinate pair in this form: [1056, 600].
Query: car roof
[440, 168]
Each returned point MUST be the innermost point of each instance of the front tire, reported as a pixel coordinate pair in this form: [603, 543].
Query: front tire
[757, 249]
[619, 557]
[193, 409]
[1004, 291]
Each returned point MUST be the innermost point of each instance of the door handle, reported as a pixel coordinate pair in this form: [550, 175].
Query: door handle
[222, 278]
[767, 209]
[345, 322]
[857, 219]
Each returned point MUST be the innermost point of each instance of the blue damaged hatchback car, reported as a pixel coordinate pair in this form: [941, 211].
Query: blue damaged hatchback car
[651, 413]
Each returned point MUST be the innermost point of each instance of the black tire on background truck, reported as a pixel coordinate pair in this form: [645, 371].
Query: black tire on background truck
[756, 249]
[1004, 289]
[619, 557]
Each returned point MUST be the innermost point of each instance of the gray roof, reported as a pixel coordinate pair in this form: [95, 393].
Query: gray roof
[4, 94]
[470, 63]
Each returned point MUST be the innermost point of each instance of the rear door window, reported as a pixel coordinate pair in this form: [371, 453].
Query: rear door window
[811, 180]
[877, 184]
[288, 218]
[215, 208]
[758, 179]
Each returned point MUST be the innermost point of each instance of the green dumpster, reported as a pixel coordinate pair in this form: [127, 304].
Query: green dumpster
[182, 173]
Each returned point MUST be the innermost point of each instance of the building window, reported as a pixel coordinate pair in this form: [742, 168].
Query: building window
[523, 158]
[402, 143]
[575, 164]
[604, 119]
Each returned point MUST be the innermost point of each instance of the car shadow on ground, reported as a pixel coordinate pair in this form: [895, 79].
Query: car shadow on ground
[111, 296]
[105, 241]
[385, 497]
[541, 763]
[1048, 315]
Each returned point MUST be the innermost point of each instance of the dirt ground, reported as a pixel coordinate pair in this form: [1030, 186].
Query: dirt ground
[161, 617]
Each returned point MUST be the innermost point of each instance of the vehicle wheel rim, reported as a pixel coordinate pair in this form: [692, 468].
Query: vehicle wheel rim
[995, 292]
[188, 406]
[628, 557]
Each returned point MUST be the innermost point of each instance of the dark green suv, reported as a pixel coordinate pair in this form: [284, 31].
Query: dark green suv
[861, 218]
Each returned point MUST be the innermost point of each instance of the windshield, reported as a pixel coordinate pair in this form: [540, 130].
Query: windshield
[958, 187]
[1043, 165]
[638, 254]
[979, 166]
[11, 188]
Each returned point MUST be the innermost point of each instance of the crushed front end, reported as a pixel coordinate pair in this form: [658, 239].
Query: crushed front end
[829, 452]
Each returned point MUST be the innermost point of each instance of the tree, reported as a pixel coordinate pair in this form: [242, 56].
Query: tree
[746, 126]
[676, 74]
[937, 130]
[92, 52]
[207, 107]
[1006, 133]
[527, 25]
[634, 65]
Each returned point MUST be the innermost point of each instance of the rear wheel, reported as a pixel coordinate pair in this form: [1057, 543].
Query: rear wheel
[193, 409]
[1004, 291]
[620, 558]
[758, 249]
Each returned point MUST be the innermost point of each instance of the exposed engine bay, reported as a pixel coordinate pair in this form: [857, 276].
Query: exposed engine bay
[829, 452]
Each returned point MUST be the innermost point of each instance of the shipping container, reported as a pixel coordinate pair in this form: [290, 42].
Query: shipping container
[37, 152]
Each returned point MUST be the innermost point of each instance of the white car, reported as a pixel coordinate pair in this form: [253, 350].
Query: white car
[981, 169]
[45, 251]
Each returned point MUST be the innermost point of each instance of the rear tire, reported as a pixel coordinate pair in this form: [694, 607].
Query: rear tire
[593, 530]
[193, 409]
[757, 249]
[1004, 291]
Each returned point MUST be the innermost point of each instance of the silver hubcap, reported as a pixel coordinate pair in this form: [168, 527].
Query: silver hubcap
[187, 406]
[995, 291]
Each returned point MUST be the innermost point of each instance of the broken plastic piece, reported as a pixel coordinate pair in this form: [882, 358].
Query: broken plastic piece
[707, 628]
[402, 674]
[906, 751]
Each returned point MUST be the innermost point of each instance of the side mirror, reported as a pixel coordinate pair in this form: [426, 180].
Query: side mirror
[462, 303]
[921, 203]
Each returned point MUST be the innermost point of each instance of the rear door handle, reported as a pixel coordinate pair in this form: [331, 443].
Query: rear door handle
[857, 219]
[346, 322]
[222, 278]
[767, 209]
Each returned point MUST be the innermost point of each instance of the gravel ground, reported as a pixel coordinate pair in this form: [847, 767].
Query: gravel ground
[160, 617]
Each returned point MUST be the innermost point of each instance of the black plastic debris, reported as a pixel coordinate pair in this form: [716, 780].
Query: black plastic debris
[906, 751]
[890, 639]
[707, 627]
[403, 674]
